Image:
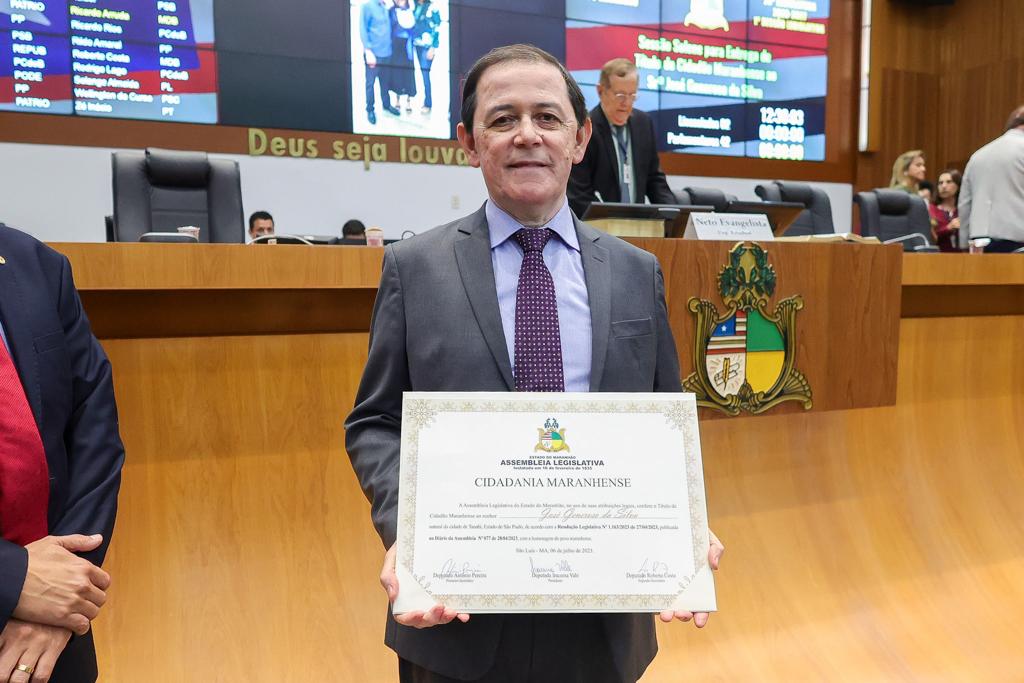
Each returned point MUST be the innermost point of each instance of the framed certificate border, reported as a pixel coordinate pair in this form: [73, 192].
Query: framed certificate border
[680, 414]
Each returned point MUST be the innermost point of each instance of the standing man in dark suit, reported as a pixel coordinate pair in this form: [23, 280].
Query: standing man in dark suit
[621, 163]
[60, 468]
[453, 313]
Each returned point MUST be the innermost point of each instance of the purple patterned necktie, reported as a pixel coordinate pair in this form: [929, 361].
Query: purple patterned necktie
[538, 346]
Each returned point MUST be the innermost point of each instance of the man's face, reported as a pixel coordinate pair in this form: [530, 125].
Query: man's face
[260, 227]
[525, 138]
[618, 97]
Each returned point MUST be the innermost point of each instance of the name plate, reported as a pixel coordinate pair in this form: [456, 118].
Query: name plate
[524, 502]
[729, 227]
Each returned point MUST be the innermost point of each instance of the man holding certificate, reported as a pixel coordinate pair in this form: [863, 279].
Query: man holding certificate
[518, 296]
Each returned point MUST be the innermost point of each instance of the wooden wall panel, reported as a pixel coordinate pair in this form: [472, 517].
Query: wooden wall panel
[910, 100]
[970, 53]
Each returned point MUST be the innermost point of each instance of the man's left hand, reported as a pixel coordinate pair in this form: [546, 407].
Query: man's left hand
[715, 551]
[34, 647]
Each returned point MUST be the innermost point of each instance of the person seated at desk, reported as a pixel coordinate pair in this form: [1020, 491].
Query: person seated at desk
[621, 162]
[353, 231]
[260, 223]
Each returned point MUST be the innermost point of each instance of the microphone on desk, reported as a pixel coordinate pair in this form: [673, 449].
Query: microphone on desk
[599, 197]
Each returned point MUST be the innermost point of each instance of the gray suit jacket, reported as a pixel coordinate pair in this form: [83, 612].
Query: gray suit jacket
[992, 191]
[436, 327]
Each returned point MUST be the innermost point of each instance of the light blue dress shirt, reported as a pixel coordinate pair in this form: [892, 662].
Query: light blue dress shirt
[375, 28]
[3, 337]
[562, 257]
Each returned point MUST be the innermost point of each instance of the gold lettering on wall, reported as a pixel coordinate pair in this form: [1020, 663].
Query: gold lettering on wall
[365, 148]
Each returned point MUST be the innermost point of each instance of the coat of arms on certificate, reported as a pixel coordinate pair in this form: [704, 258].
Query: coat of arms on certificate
[551, 437]
[744, 357]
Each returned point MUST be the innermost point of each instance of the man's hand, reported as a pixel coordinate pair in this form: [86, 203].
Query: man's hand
[35, 646]
[715, 550]
[438, 614]
[371, 59]
[61, 589]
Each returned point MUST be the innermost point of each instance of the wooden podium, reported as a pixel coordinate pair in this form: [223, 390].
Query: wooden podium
[243, 549]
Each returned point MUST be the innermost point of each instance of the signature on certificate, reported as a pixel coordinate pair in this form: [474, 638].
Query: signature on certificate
[568, 513]
[542, 572]
[453, 570]
[653, 567]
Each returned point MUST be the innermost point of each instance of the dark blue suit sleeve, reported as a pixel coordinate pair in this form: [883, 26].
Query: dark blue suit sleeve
[95, 452]
[13, 567]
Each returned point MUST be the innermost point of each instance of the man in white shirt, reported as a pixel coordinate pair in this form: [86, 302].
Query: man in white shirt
[992, 195]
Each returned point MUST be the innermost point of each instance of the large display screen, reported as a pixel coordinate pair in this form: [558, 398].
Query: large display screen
[118, 58]
[742, 78]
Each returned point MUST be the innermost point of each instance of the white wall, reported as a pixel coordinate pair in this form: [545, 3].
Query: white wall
[61, 193]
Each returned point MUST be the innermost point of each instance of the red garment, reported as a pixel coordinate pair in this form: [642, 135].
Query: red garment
[945, 237]
[24, 473]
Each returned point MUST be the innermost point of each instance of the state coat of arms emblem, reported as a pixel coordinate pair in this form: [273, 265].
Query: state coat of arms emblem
[551, 439]
[743, 358]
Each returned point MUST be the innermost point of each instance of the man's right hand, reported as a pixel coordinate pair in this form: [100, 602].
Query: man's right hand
[371, 59]
[436, 615]
[61, 589]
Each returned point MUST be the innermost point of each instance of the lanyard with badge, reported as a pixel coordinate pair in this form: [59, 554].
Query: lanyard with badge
[624, 145]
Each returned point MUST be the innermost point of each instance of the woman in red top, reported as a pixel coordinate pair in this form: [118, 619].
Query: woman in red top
[945, 223]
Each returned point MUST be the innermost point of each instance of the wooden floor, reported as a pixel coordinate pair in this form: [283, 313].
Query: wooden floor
[880, 544]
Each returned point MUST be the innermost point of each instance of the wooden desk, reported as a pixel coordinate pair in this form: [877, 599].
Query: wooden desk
[879, 543]
[944, 285]
[162, 290]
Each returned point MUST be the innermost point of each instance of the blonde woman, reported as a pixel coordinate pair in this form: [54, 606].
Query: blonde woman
[908, 171]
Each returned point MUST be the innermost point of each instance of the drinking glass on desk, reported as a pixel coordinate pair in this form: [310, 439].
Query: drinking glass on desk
[374, 237]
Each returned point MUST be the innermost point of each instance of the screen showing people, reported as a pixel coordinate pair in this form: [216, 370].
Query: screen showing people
[742, 78]
[400, 65]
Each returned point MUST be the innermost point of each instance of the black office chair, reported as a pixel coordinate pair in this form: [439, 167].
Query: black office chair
[706, 196]
[160, 190]
[682, 197]
[815, 220]
[893, 216]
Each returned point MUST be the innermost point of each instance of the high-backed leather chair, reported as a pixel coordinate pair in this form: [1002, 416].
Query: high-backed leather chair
[707, 196]
[815, 220]
[892, 215]
[160, 190]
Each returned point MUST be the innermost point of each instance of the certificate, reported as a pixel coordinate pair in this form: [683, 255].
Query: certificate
[544, 502]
